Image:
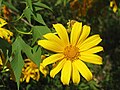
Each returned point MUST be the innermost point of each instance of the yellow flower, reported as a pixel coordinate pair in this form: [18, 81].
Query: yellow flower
[72, 54]
[4, 33]
[113, 5]
[31, 70]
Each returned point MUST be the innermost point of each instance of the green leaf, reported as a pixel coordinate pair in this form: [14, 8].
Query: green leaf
[28, 13]
[38, 32]
[39, 4]
[17, 63]
[9, 5]
[30, 52]
[37, 8]
[29, 3]
[37, 53]
[58, 2]
[39, 19]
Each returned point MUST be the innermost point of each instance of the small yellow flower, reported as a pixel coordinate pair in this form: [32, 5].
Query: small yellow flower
[4, 33]
[71, 55]
[31, 70]
[113, 5]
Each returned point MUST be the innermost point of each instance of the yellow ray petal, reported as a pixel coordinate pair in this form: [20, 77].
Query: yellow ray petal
[28, 79]
[62, 33]
[2, 22]
[91, 58]
[93, 50]
[54, 38]
[51, 59]
[75, 74]
[84, 34]
[66, 73]
[52, 46]
[9, 32]
[1, 35]
[83, 69]
[56, 69]
[5, 33]
[75, 33]
[43, 70]
[90, 42]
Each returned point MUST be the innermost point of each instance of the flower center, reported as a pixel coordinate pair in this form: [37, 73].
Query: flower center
[71, 52]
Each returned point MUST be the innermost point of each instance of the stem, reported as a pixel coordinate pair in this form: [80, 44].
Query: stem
[20, 17]
[28, 33]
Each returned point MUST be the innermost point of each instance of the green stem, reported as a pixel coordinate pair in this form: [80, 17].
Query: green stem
[19, 17]
[28, 33]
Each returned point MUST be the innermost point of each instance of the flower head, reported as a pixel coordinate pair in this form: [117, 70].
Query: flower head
[4, 33]
[71, 54]
[31, 70]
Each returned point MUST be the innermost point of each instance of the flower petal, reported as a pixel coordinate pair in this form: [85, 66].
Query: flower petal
[84, 34]
[56, 69]
[90, 58]
[54, 38]
[62, 33]
[75, 74]
[66, 73]
[75, 33]
[1, 35]
[52, 46]
[90, 42]
[51, 59]
[94, 49]
[43, 70]
[83, 69]
[27, 79]
[2, 22]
